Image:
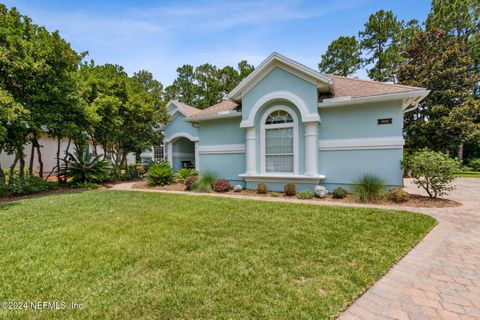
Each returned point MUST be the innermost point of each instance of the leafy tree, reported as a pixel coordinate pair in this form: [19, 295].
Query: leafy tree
[381, 39]
[433, 171]
[447, 116]
[343, 57]
[206, 84]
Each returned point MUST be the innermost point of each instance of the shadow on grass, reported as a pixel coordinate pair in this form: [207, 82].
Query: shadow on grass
[5, 201]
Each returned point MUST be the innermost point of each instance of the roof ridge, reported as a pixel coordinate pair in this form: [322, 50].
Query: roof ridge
[374, 81]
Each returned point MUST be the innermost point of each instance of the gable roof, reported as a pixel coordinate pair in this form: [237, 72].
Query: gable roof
[174, 106]
[323, 82]
[224, 108]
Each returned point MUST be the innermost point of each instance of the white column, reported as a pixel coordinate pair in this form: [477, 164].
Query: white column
[170, 153]
[153, 153]
[197, 157]
[250, 148]
[311, 150]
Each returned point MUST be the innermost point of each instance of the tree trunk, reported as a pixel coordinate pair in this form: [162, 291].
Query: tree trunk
[32, 157]
[2, 175]
[460, 152]
[59, 140]
[21, 175]
[12, 170]
[40, 161]
[66, 157]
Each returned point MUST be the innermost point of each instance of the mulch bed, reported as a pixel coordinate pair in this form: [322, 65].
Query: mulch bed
[415, 200]
[40, 194]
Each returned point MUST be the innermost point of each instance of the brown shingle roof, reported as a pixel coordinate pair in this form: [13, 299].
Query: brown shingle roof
[187, 110]
[224, 106]
[357, 88]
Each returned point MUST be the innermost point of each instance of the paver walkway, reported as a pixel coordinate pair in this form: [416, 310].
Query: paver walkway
[439, 278]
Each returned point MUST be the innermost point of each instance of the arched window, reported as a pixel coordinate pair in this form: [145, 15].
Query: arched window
[279, 138]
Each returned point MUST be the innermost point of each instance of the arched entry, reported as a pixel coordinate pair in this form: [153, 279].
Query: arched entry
[182, 151]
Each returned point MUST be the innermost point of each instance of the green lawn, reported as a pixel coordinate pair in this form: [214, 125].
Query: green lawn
[125, 255]
[468, 174]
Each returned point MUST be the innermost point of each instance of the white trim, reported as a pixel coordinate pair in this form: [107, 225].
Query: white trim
[361, 143]
[283, 95]
[263, 127]
[197, 157]
[311, 152]
[181, 135]
[183, 154]
[277, 177]
[232, 114]
[274, 60]
[222, 148]
[251, 150]
[170, 153]
[408, 98]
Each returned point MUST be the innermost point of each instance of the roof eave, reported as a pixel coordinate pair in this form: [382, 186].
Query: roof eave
[214, 116]
[409, 98]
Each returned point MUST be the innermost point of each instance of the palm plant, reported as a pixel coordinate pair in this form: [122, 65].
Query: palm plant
[368, 188]
[183, 174]
[83, 166]
[205, 182]
[160, 174]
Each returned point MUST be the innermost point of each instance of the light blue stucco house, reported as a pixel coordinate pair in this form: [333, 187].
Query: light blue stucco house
[286, 123]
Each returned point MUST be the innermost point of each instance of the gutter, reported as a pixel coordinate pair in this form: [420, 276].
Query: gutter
[214, 116]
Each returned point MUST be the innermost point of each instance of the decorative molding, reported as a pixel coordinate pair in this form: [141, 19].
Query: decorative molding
[263, 127]
[222, 148]
[277, 177]
[283, 95]
[180, 135]
[184, 154]
[361, 143]
[214, 116]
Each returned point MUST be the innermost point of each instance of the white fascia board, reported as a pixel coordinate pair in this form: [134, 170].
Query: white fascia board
[214, 116]
[222, 149]
[417, 95]
[276, 58]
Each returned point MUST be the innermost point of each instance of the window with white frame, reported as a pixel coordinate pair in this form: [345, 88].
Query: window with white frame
[279, 145]
[159, 153]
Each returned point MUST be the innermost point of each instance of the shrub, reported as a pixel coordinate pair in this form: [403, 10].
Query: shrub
[290, 189]
[397, 195]
[160, 174]
[339, 193]
[221, 185]
[183, 174]
[433, 171]
[368, 188]
[204, 183]
[29, 186]
[83, 166]
[189, 182]
[474, 164]
[133, 172]
[275, 194]
[305, 194]
[262, 188]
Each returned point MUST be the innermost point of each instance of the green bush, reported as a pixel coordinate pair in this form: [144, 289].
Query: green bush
[433, 171]
[368, 188]
[83, 166]
[205, 182]
[290, 189]
[221, 185]
[183, 174]
[30, 185]
[133, 172]
[474, 164]
[189, 182]
[160, 174]
[275, 194]
[262, 188]
[339, 193]
[397, 195]
[305, 194]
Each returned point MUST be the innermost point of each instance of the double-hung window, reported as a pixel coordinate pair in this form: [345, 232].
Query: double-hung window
[279, 156]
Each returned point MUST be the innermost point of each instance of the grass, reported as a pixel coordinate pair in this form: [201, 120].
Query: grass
[125, 255]
[468, 174]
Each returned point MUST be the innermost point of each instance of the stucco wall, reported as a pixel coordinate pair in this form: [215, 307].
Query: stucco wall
[178, 124]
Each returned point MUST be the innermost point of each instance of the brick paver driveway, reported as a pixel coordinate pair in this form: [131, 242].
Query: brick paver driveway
[438, 279]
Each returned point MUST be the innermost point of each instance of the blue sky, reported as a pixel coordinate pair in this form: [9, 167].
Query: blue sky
[161, 35]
